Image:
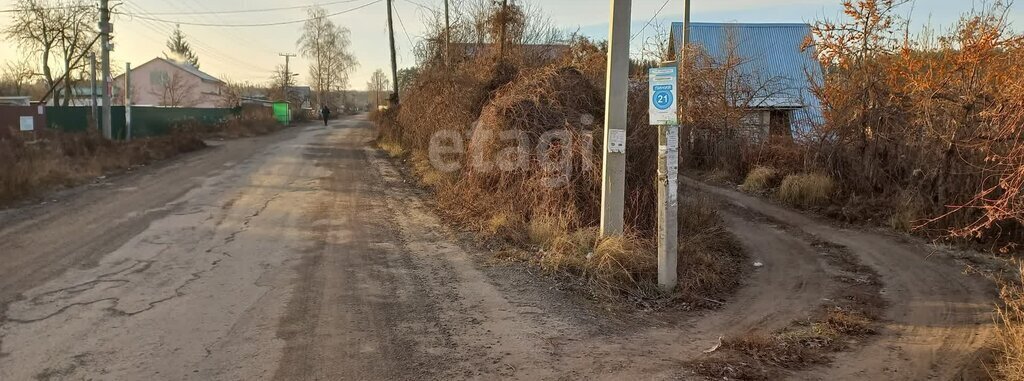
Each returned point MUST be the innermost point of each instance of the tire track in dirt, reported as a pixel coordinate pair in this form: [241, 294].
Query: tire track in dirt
[939, 320]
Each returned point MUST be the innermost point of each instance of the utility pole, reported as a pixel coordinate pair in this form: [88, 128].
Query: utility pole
[504, 25]
[686, 24]
[92, 94]
[128, 101]
[613, 185]
[287, 73]
[447, 36]
[394, 60]
[105, 30]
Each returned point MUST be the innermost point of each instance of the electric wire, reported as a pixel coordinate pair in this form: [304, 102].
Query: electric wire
[649, 22]
[209, 12]
[156, 19]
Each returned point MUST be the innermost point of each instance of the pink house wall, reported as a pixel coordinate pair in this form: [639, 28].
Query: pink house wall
[147, 90]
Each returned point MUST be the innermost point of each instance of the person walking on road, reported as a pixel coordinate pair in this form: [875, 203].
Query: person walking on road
[325, 113]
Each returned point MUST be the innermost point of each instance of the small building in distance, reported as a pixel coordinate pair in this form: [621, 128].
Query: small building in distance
[165, 82]
[81, 95]
[771, 60]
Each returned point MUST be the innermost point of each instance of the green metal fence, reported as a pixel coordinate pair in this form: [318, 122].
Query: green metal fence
[146, 121]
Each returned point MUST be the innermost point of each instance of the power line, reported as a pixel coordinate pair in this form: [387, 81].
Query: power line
[208, 12]
[45, 9]
[400, 22]
[252, 25]
[216, 19]
[649, 22]
[210, 52]
[422, 6]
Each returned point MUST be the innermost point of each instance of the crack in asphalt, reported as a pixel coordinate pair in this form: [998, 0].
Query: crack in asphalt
[178, 291]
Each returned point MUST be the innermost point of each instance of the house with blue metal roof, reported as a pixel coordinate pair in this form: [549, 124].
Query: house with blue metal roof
[772, 59]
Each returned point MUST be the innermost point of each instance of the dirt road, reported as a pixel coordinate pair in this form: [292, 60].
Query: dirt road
[305, 256]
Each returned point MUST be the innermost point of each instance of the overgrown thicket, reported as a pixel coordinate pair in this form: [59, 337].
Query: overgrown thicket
[508, 133]
[920, 130]
[44, 160]
[933, 122]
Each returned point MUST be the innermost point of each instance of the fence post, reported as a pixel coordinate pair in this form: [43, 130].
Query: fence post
[127, 101]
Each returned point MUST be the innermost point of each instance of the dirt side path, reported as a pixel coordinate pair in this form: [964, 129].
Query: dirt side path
[939, 320]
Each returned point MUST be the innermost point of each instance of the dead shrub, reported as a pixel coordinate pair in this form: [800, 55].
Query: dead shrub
[806, 190]
[760, 179]
[51, 159]
[532, 132]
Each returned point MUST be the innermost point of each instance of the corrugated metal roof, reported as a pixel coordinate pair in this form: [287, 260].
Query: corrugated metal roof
[770, 53]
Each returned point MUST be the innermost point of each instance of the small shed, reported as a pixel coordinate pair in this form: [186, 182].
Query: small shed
[20, 113]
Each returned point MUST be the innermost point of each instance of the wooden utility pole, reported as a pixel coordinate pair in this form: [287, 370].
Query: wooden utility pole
[394, 60]
[613, 185]
[447, 36]
[504, 26]
[287, 72]
[105, 30]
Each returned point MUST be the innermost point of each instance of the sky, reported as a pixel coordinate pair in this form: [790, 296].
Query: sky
[252, 53]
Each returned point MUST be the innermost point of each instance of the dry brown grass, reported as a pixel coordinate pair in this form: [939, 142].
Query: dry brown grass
[1010, 360]
[482, 97]
[48, 159]
[760, 179]
[51, 159]
[806, 190]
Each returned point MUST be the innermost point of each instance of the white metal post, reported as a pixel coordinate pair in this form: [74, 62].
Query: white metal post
[617, 89]
[668, 206]
[664, 113]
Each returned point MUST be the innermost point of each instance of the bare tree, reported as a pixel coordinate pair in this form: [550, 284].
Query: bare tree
[175, 90]
[15, 77]
[377, 88]
[326, 45]
[234, 92]
[58, 32]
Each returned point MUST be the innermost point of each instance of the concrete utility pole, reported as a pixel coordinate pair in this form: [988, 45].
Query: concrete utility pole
[394, 60]
[128, 101]
[105, 30]
[92, 94]
[287, 73]
[617, 87]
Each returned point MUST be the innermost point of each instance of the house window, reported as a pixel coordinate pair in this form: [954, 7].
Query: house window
[159, 78]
